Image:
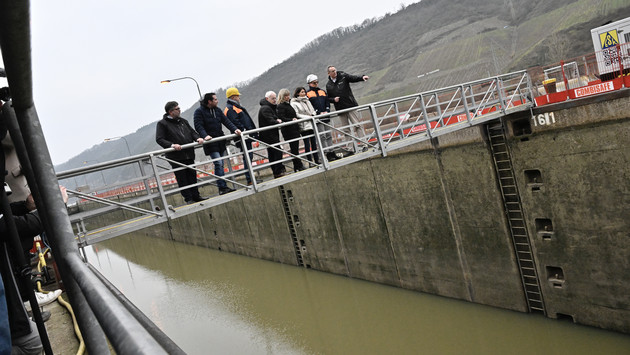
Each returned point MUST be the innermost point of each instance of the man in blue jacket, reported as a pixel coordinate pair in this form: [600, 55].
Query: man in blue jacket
[243, 121]
[208, 120]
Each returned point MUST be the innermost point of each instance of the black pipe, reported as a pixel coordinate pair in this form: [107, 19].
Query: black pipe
[153, 329]
[24, 273]
[126, 335]
[91, 330]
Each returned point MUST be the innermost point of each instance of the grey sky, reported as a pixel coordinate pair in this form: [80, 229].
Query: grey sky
[97, 65]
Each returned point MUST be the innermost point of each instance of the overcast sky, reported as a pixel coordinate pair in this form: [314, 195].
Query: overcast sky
[97, 65]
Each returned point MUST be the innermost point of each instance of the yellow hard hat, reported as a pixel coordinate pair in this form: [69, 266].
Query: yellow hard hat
[231, 92]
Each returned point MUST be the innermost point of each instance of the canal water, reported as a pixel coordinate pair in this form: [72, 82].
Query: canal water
[212, 302]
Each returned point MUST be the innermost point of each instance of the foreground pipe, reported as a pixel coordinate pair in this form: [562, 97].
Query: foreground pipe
[125, 333]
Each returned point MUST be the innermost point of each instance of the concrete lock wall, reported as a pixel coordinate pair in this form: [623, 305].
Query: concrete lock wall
[431, 218]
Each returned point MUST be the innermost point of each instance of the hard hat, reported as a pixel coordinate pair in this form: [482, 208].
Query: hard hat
[310, 78]
[231, 92]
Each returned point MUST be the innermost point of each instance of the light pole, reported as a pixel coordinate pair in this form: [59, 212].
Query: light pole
[185, 77]
[101, 171]
[126, 143]
[117, 138]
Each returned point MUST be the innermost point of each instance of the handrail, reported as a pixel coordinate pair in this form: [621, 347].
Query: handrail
[381, 129]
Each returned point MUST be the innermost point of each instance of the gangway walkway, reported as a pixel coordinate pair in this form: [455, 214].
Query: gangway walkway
[384, 127]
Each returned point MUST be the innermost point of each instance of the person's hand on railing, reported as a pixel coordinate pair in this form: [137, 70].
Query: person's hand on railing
[238, 132]
[199, 140]
[207, 138]
[64, 193]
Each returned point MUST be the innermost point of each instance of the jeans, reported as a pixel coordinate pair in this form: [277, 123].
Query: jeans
[218, 168]
[310, 145]
[5, 332]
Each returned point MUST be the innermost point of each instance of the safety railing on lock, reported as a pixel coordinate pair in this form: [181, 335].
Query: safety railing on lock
[340, 138]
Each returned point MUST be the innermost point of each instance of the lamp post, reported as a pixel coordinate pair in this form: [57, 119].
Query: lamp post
[185, 77]
[117, 138]
[126, 143]
[101, 171]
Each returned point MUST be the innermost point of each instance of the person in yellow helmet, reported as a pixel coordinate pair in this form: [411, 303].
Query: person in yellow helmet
[243, 121]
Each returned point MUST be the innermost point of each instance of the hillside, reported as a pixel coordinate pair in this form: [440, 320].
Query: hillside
[464, 40]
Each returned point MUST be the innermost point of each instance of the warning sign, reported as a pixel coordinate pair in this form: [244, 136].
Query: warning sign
[609, 39]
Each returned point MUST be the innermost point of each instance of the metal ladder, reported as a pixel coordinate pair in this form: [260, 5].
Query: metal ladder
[292, 224]
[512, 204]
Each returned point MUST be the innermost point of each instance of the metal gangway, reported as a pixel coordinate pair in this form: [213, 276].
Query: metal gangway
[384, 126]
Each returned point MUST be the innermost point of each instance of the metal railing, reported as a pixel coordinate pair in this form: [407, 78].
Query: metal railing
[382, 127]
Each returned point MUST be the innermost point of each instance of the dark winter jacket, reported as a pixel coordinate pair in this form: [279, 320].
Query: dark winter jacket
[171, 131]
[28, 226]
[319, 100]
[267, 116]
[341, 88]
[208, 122]
[286, 113]
[238, 115]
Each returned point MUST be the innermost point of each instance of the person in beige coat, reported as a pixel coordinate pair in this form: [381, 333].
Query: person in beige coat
[304, 109]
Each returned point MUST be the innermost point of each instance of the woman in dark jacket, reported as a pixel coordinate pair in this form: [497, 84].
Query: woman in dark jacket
[291, 132]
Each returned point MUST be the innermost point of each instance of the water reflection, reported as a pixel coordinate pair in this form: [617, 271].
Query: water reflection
[210, 302]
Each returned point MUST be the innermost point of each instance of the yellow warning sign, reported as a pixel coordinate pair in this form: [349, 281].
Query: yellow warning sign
[609, 39]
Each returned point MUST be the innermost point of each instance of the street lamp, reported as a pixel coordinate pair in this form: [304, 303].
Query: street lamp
[117, 138]
[186, 77]
[101, 171]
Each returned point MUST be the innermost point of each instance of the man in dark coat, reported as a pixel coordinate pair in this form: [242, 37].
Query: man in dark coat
[208, 119]
[267, 116]
[243, 121]
[173, 131]
[340, 94]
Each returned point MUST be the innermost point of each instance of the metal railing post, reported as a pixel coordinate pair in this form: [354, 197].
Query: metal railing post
[500, 94]
[399, 120]
[426, 117]
[377, 130]
[468, 118]
[250, 167]
[158, 182]
[320, 147]
[530, 89]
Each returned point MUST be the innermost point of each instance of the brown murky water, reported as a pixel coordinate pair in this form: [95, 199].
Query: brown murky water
[212, 302]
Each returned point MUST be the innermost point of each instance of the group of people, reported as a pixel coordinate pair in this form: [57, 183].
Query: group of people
[173, 131]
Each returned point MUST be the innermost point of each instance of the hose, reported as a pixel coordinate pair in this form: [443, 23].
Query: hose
[77, 331]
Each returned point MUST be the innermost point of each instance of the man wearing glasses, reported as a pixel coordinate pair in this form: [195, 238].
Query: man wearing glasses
[173, 131]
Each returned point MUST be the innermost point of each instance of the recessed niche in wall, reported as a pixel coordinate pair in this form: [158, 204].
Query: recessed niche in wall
[521, 127]
[296, 220]
[544, 229]
[566, 317]
[533, 179]
[555, 276]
